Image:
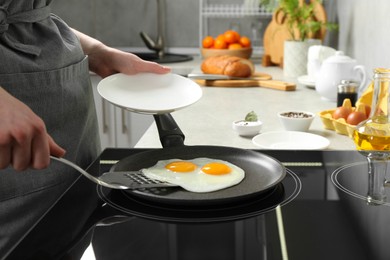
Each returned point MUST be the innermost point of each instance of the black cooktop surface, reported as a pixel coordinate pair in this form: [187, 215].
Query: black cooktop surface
[318, 211]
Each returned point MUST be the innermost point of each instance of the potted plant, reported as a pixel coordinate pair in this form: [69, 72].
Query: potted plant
[294, 25]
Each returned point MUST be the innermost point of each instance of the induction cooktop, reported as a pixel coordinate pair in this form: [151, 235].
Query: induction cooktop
[307, 216]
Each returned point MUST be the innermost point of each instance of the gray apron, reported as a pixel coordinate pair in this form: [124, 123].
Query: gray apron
[42, 64]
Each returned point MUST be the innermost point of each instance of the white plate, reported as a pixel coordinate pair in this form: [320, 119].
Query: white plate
[149, 93]
[290, 140]
[305, 80]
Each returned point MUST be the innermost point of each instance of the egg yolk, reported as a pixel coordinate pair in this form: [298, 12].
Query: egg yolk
[181, 166]
[216, 168]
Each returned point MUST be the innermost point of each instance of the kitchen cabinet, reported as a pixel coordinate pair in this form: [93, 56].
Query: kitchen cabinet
[118, 127]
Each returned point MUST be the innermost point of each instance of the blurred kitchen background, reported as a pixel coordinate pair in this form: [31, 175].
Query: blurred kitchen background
[364, 35]
[364, 32]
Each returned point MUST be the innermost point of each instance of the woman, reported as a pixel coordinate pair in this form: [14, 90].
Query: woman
[46, 108]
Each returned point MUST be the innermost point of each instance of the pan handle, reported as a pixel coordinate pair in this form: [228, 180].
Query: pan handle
[169, 132]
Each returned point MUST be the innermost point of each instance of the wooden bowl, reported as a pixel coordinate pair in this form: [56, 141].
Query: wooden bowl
[242, 53]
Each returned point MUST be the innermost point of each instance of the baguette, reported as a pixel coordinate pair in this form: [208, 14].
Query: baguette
[228, 65]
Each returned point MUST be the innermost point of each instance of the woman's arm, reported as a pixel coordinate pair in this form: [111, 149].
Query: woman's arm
[105, 61]
[24, 141]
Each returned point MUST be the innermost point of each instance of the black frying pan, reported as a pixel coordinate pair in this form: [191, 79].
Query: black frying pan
[262, 172]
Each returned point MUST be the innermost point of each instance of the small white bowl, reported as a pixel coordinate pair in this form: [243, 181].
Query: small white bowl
[296, 120]
[247, 128]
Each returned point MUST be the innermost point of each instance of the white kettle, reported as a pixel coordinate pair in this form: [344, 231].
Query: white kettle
[334, 69]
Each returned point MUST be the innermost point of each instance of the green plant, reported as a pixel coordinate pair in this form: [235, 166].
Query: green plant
[300, 17]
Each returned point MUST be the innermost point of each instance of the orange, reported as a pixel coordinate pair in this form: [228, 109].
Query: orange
[220, 44]
[235, 46]
[245, 41]
[220, 37]
[231, 36]
[208, 42]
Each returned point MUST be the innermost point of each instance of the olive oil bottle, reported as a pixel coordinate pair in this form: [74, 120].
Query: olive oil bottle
[374, 133]
[372, 139]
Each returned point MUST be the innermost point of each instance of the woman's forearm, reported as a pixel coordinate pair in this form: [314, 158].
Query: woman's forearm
[105, 61]
[88, 43]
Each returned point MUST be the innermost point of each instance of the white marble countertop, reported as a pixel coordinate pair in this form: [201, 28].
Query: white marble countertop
[209, 121]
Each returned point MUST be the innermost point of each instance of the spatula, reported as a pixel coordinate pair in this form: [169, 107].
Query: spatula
[121, 180]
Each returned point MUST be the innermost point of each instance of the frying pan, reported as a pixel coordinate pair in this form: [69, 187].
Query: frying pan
[262, 172]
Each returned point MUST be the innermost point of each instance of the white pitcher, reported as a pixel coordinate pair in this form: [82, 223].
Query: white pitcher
[333, 70]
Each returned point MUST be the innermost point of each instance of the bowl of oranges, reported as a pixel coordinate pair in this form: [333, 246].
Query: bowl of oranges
[228, 43]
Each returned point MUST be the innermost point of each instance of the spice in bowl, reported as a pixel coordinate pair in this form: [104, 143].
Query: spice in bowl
[296, 114]
[296, 120]
[250, 126]
[251, 117]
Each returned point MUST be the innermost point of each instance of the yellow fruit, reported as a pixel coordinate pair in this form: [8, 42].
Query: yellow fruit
[208, 42]
[231, 36]
[245, 41]
[234, 46]
[220, 44]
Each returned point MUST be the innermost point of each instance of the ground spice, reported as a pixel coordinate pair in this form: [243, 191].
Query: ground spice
[296, 115]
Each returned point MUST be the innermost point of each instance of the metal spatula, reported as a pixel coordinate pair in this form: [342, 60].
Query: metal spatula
[121, 180]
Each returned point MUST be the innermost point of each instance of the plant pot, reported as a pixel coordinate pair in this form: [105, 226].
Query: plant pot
[295, 57]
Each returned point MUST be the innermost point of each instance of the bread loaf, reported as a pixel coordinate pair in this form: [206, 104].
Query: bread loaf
[228, 65]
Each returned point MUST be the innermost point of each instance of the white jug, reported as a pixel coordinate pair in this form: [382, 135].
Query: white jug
[336, 68]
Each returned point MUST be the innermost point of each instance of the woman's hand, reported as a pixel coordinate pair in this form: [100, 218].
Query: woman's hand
[105, 61]
[24, 141]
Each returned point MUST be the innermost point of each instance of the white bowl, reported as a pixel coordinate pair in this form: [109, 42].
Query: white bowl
[247, 128]
[296, 120]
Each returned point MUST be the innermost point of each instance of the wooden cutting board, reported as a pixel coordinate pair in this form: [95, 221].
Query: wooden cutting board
[274, 84]
[262, 80]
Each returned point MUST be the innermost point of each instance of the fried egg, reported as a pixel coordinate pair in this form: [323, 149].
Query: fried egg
[196, 175]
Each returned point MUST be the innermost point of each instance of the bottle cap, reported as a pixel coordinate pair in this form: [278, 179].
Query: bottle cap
[347, 86]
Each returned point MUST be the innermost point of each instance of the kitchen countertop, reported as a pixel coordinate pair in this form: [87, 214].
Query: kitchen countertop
[209, 121]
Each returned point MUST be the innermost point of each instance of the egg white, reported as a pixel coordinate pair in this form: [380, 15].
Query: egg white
[196, 181]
